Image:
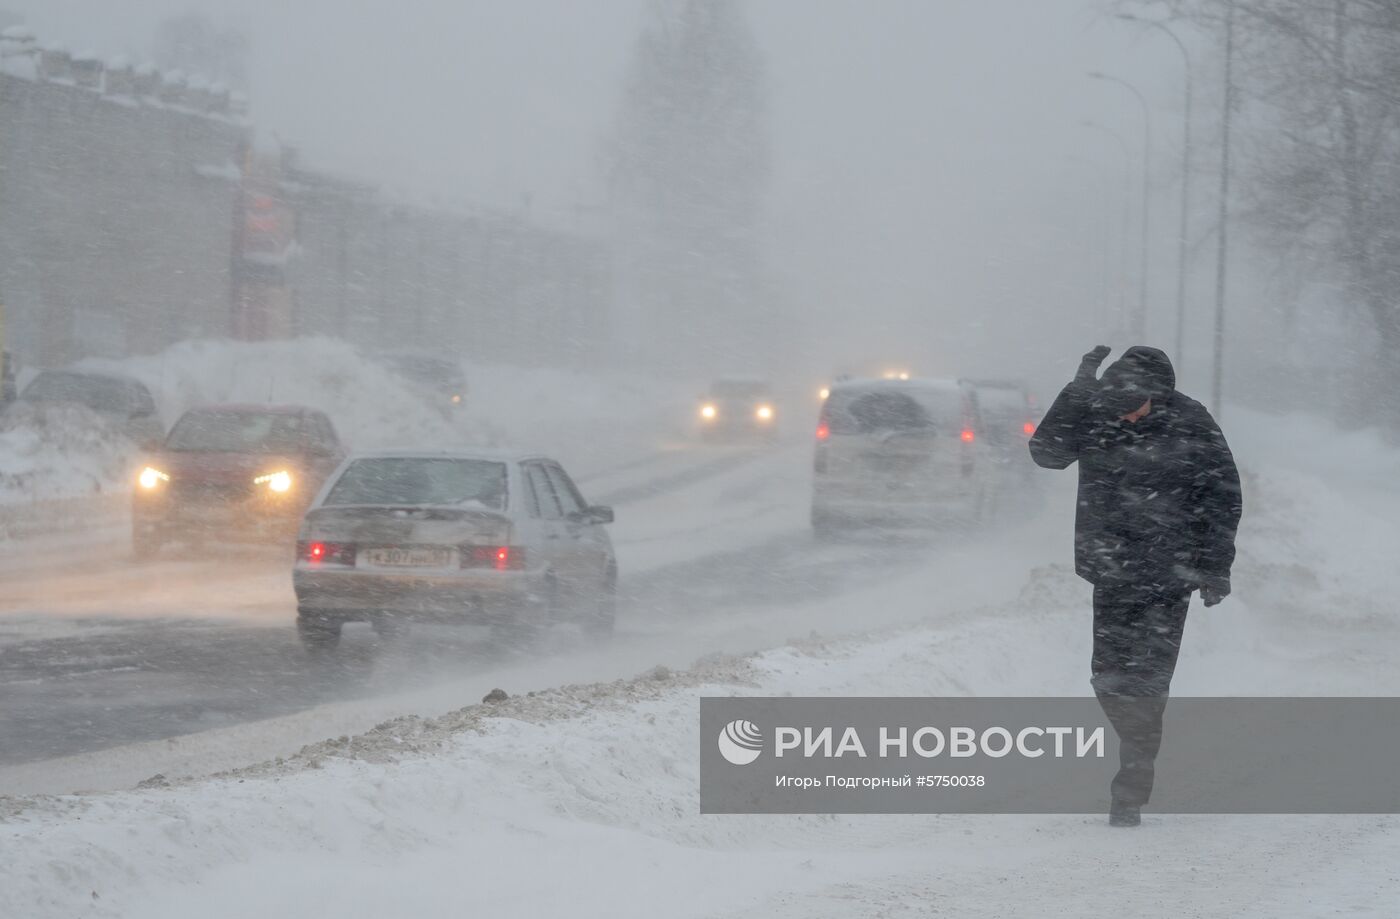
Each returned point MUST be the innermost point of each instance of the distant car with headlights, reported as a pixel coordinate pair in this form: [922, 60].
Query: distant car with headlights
[899, 453]
[233, 473]
[438, 377]
[738, 408]
[477, 537]
[122, 402]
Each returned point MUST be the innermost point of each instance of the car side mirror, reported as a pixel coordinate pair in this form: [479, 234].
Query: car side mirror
[599, 514]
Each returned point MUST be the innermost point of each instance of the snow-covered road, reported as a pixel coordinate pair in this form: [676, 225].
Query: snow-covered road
[581, 800]
[110, 651]
[715, 554]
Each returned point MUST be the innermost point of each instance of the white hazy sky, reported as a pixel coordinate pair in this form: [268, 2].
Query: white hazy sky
[931, 176]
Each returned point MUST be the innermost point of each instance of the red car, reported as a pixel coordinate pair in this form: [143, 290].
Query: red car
[233, 472]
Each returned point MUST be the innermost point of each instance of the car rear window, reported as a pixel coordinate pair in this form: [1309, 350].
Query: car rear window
[421, 481]
[874, 411]
[237, 432]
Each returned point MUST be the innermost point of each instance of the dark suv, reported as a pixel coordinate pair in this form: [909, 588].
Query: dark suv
[233, 472]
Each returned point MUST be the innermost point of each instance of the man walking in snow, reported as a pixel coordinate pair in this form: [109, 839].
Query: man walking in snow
[1159, 503]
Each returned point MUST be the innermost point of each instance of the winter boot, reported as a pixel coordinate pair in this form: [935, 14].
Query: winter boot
[1122, 813]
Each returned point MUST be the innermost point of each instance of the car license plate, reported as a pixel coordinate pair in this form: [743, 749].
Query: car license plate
[409, 557]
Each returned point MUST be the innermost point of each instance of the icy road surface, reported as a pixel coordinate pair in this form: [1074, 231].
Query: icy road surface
[715, 554]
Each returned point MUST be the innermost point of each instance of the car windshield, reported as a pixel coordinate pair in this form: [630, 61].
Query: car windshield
[874, 411]
[101, 394]
[421, 481]
[739, 389]
[237, 432]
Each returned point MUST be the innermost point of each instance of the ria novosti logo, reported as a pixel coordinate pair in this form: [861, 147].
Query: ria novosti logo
[740, 742]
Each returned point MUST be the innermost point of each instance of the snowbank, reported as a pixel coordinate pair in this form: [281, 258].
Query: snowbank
[372, 407]
[581, 801]
[588, 419]
[1322, 518]
[59, 451]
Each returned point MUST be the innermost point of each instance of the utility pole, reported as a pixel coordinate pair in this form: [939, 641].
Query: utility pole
[1222, 254]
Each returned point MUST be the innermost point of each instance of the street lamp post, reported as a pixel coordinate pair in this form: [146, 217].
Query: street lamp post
[1127, 212]
[1139, 322]
[1182, 243]
[1222, 254]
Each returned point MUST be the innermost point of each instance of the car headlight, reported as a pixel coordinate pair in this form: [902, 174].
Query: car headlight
[764, 413]
[824, 393]
[151, 477]
[708, 412]
[456, 398]
[277, 481]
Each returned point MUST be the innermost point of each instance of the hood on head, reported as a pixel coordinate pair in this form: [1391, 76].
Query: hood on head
[1141, 374]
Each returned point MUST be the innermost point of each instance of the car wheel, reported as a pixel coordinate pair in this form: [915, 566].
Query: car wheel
[318, 634]
[602, 613]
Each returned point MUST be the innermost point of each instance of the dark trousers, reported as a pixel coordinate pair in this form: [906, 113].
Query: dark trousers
[1137, 636]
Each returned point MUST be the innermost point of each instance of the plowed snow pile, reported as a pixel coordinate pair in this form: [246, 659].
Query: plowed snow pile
[59, 451]
[590, 419]
[372, 407]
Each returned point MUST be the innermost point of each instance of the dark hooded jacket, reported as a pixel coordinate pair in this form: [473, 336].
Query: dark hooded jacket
[1159, 499]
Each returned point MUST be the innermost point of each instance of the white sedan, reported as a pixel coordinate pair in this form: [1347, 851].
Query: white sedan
[500, 539]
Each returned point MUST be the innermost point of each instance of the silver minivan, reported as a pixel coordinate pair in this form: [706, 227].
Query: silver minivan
[899, 453]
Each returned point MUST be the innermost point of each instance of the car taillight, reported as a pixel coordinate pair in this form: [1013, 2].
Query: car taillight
[968, 435]
[336, 553]
[823, 432]
[501, 558]
[1028, 428]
